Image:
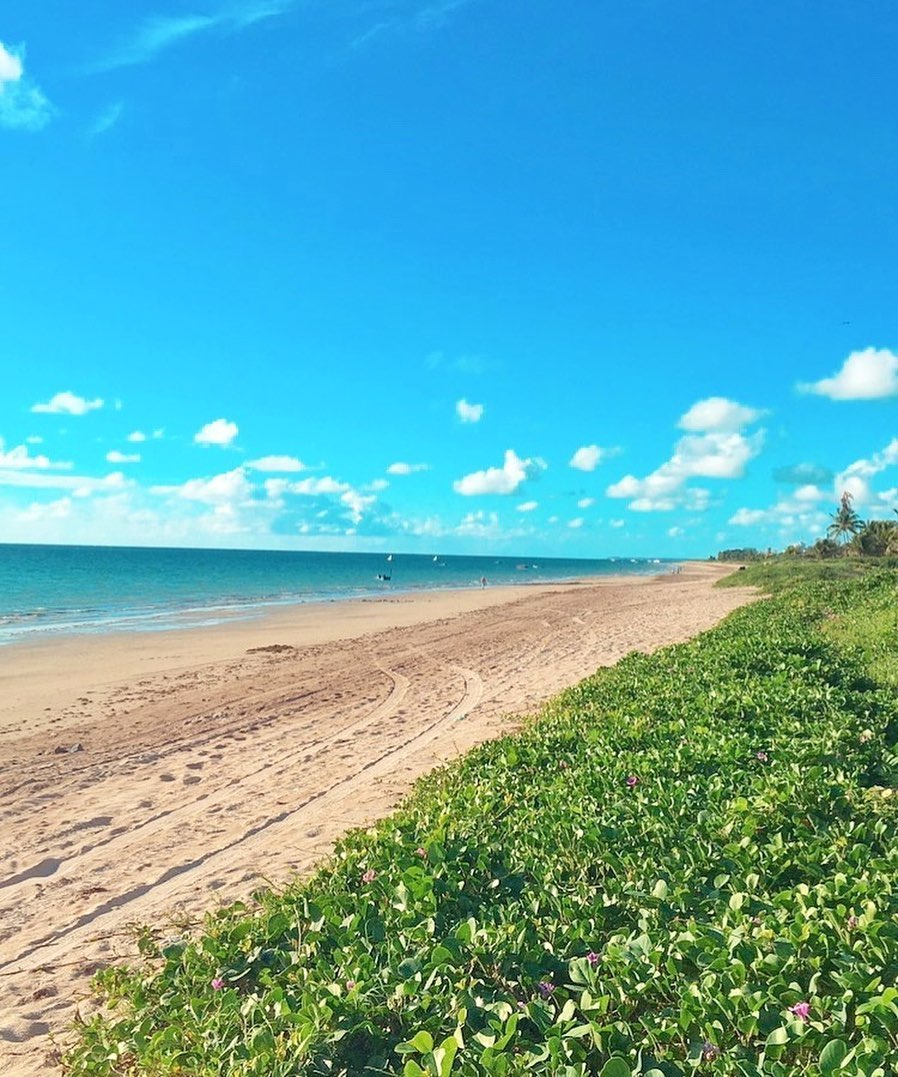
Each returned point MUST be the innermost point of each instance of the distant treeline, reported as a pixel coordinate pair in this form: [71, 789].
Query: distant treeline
[748, 553]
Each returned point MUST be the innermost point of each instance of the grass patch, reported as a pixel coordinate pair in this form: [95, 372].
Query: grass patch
[686, 864]
[783, 572]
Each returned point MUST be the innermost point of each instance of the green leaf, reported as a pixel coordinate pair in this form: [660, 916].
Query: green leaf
[832, 1056]
[422, 1041]
[615, 1067]
[778, 1037]
[660, 890]
[444, 1056]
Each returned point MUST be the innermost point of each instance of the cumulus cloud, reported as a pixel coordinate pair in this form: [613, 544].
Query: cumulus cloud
[469, 413]
[116, 457]
[315, 487]
[587, 457]
[854, 479]
[23, 104]
[576, 523]
[675, 532]
[528, 506]
[618, 523]
[717, 413]
[499, 480]
[226, 488]
[870, 374]
[480, 525]
[276, 463]
[20, 459]
[219, 432]
[586, 502]
[712, 455]
[401, 468]
[139, 435]
[67, 403]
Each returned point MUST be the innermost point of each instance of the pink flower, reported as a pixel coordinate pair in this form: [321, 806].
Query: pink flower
[710, 1051]
[632, 781]
[762, 757]
[350, 985]
[801, 1010]
[852, 922]
[593, 958]
[369, 876]
[421, 851]
[545, 988]
[217, 984]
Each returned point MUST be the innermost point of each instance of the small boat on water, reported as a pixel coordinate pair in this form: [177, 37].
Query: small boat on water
[386, 576]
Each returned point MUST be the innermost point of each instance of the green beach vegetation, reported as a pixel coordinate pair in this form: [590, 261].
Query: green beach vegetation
[686, 864]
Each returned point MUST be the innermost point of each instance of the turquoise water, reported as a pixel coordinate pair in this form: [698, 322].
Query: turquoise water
[49, 590]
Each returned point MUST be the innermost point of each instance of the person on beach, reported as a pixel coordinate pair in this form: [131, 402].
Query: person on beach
[483, 581]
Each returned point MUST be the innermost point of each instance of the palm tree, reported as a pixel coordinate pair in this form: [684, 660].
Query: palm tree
[845, 522]
[877, 538]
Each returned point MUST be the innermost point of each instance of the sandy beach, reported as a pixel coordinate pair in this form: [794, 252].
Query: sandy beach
[149, 777]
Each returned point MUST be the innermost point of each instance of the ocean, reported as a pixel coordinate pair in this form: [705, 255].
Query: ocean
[52, 590]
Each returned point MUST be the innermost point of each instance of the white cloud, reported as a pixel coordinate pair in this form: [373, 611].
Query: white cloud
[586, 502]
[314, 487]
[139, 435]
[499, 480]
[226, 488]
[35, 439]
[716, 413]
[377, 485]
[577, 522]
[11, 67]
[809, 493]
[869, 374]
[748, 517]
[587, 457]
[79, 485]
[19, 459]
[528, 506]
[480, 525]
[715, 455]
[358, 504]
[854, 479]
[276, 463]
[618, 523]
[23, 104]
[116, 457]
[401, 468]
[67, 403]
[675, 532]
[160, 32]
[219, 432]
[469, 413]
[106, 119]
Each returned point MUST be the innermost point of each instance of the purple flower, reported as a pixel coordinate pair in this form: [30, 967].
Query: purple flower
[852, 922]
[801, 1010]
[632, 781]
[710, 1051]
[762, 757]
[369, 876]
[350, 985]
[593, 958]
[421, 851]
[217, 984]
[545, 988]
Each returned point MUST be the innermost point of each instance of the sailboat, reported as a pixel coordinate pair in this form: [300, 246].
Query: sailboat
[387, 576]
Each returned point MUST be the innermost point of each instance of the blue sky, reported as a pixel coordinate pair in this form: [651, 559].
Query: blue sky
[593, 279]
